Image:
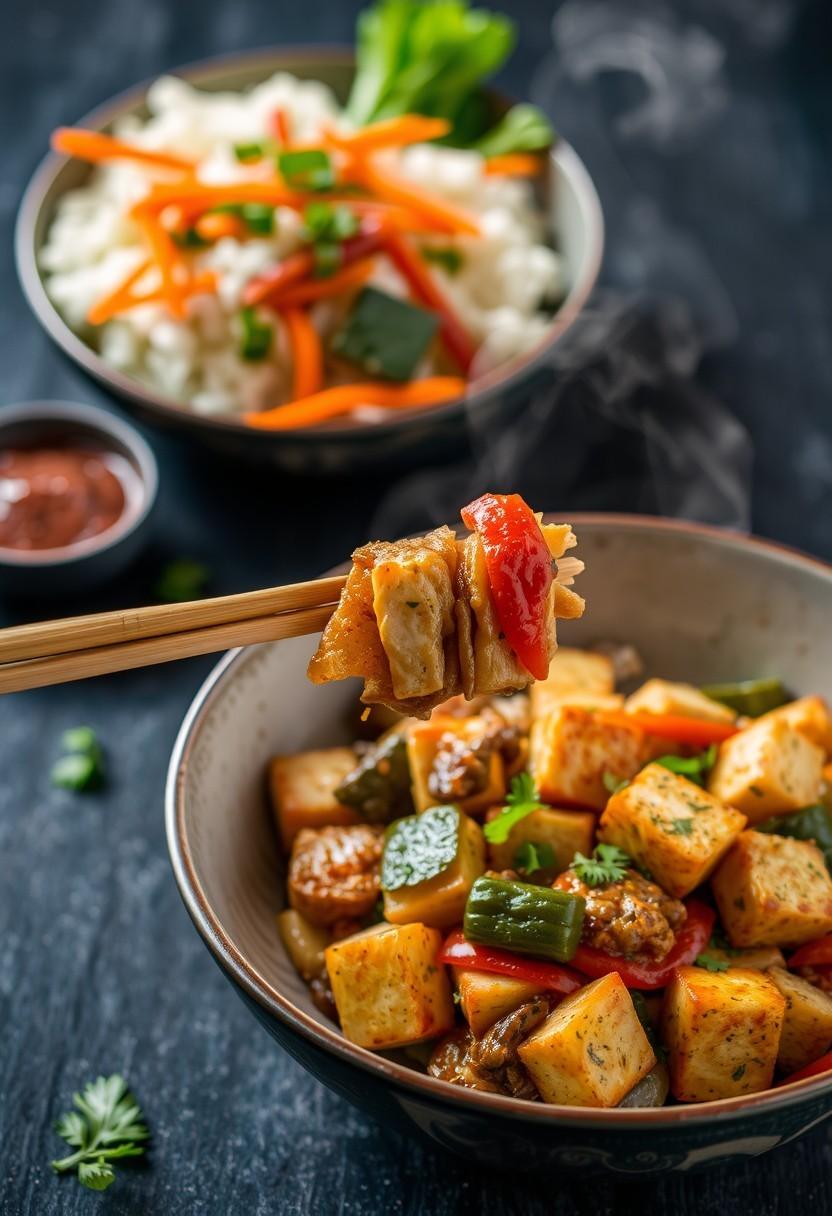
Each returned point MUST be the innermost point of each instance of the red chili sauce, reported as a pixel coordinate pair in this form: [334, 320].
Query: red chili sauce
[53, 497]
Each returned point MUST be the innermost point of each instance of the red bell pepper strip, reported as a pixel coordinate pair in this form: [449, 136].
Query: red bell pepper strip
[281, 127]
[822, 1064]
[550, 977]
[410, 264]
[645, 974]
[301, 265]
[671, 726]
[520, 573]
[813, 953]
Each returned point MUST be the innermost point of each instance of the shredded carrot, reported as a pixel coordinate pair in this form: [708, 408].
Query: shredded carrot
[114, 301]
[390, 133]
[216, 224]
[166, 256]
[392, 189]
[282, 127]
[201, 196]
[96, 146]
[334, 402]
[307, 354]
[309, 292]
[202, 284]
[300, 266]
[514, 164]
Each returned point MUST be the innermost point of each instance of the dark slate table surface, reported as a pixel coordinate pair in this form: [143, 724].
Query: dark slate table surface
[715, 175]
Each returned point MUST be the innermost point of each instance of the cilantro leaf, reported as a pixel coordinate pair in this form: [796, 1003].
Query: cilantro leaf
[531, 857]
[710, 962]
[106, 1125]
[608, 863]
[521, 800]
[695, 768]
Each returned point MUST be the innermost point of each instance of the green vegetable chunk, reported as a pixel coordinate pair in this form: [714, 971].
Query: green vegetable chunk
[379, 787]
[256, 336]
[813, 823]
[525, 918]
[307, 170]
[523, 129]
[420, 847]
[749, 697]
[385, 336]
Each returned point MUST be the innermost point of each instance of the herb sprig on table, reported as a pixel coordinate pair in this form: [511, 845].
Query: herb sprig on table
[106, 1124]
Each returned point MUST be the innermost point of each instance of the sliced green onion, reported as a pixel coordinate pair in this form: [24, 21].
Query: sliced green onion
[323, 222]
[450, 259]
[188, 239]
[249, 152]
[258, 217]
[256, 336]
[328, 258]
[307, 170]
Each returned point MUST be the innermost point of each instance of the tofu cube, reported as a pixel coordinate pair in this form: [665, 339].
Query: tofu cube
[570, 752]
[592, 1048]
[810, 716]
[807, 1023]
[722, 1031]
[773, 891]
[484, 998]
[566, 833]
[673, 828]
[573, 672]
[423, 742]
[303, 790]
[413, 601]
[684, 700]
[440, 901]
[767, 769]
[388, 987]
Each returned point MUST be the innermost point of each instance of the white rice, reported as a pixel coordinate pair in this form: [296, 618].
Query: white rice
[508, 277]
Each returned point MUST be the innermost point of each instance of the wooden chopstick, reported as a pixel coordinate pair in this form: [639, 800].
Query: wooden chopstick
[83, 664]
[55, 652]
[113, 628]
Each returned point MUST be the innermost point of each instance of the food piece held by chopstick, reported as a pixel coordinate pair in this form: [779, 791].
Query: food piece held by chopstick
[425, 619]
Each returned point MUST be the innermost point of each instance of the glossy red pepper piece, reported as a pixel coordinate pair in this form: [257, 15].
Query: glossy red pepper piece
[550, 977]
[645, 974]
[813, 954]
[520, 573]
[822, 1064]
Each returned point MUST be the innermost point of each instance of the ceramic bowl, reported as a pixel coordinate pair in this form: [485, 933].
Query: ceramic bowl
[700, 605]
[411, 437]
[66, 571]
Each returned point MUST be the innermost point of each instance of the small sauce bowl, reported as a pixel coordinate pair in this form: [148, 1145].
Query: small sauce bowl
[109, 478]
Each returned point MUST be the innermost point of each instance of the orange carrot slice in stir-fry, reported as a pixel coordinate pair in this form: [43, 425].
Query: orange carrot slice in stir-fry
[96, 146]
[455, 337]
[307, 353]
[514, 164]
[393, 189]
[111, 304]
[390, 133]
[334, 402]
[323, 289]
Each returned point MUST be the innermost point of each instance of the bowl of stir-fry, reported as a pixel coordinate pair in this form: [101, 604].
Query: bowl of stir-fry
[318, 258]
[560, 893]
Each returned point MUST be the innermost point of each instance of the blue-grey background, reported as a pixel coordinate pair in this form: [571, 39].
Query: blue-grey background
[707, 127]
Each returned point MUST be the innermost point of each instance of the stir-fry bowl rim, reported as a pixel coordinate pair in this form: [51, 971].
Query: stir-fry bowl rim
[501, 380]
[330, 1039]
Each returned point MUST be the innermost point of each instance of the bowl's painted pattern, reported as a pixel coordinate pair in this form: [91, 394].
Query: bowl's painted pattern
[410, 437]
[700, 605]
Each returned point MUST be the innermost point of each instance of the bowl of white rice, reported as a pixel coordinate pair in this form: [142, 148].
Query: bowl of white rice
[517, 287]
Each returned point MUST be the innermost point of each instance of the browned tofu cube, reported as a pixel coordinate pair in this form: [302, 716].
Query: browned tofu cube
[592, 1048]
[566, 833]
[424, 742]
[303, 790]
[485, 998]
[810, 716]
[670, 826]
[807, 1024]
[575, 673]
[767, 769]
[721, 1031]
[683, 700]
[571, 751]
[388, 987]
[773, 891]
